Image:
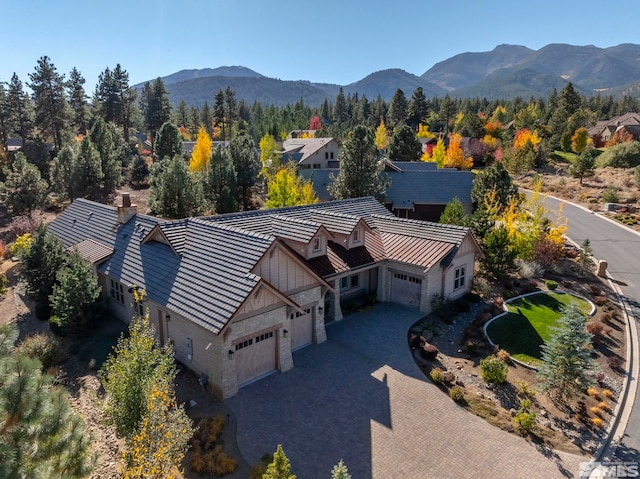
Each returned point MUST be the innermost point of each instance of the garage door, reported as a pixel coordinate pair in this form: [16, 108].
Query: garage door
[302, 326]
[406, 289]
[255, 357]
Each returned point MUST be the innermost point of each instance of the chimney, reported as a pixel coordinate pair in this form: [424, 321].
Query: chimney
[126, 210]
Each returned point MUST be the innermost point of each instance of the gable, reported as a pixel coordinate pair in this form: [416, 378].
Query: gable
[260, 299]
[284, 271]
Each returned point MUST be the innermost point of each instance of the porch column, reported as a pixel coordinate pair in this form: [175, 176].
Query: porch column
[335, 311]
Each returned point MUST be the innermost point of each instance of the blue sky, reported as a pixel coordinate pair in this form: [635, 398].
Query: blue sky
[327, 41]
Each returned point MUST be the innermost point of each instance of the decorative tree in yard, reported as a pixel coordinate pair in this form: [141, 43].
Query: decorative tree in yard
[566, 357]
[280, 467]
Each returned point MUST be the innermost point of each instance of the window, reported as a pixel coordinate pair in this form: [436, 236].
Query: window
[405, 277]
[326, 155]
[332, 155]
[355, 280]
[316, 244]
[117, 292]
[316, 166]
[344, 283]
[458, 282]
[356, 236]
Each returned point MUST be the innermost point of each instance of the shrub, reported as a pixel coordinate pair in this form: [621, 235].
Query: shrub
[525, 391]
[636, 175]
[457, 394]
[22, 245]
[593, 392]
[45, 347]
[551, 284]
[493, 370]
[596, 410]
[608, 394]
[600, 300]
[526, 420]
[437, 375]
[504, 355]
[597, 422]
[3, 284]
[605, 406]
[614, 362]
[623, 155]
[595, 328]
[610, 195]
[21, 225]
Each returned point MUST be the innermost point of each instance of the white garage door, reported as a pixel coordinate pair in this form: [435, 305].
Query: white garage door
[255, 357]
[406, 289]
[302, 325]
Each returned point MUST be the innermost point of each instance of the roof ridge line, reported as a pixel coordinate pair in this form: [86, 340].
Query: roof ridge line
[235, 229]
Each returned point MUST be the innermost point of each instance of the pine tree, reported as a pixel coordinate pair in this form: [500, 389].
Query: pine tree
[584, 164]
[566, 357]
[221, 186]
[218, 116]
[61, 174]
[181, 115]
[77, 98]
[231, 110]
[280, 467]
[137, 363]
[247, 166]
[155, 106]
[398, 107]
[51, 108]
[41, 436]
[418, 110]
[75, 291]
[174, 193]
[206, 118]
[360, 171]
[340, 113]
[23, 189]
[5, 115]
[497, 178]
[168, 142]
[87, 177]
[499, 255]
[106, 142]
[20, 111]
[404, 145]
[454, 214]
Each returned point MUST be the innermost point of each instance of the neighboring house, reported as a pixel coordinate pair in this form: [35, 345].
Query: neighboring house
[188, 146]
[13, 144]
[310, 153]
[418, 190]
[237, 293]
[603, 130]
[301, 134]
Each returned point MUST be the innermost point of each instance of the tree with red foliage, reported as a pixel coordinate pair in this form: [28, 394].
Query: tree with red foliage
[315, 123]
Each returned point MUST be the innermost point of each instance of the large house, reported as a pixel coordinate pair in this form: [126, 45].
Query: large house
[310, 153]
[237, 293]
[417, 189]
[603, 130]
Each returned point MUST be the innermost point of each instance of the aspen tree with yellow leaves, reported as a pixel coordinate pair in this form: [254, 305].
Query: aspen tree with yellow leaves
[201, 151]
[455, 155]
[286, 188]
[382, 137]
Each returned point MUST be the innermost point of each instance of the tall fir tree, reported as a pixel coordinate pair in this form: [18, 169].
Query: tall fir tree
[404, 145]
[221, 185]
[155, 106]
[105, 140]
[398, 107]
[20, 117]
[23, 190]
[168, 142]
[247, 165]
[77, 98]
[174, 193]
[418, 109]
[218, 114]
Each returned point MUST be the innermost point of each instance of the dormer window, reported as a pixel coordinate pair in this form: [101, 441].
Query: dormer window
[356, 236]
[316, 245]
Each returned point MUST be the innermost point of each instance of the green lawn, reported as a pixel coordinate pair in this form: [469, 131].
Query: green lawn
[528, 324]
[564, 156]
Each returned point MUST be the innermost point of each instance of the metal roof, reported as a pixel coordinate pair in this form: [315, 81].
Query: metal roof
[91, 250]
[336, 222]
[340, 260]
[293, 228]
[417, 251]
[421, 229]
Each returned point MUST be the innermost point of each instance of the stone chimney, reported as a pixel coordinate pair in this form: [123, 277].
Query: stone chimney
[126, 210]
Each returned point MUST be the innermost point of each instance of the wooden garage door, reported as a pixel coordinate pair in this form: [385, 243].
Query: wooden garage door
[255, 357]
[406, 289]
[302, 325]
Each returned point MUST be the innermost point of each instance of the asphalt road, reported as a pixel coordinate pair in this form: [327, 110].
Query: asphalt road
[620, 247]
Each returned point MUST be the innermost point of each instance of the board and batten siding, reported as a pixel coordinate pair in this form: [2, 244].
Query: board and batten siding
[282, 270]
[465, 257]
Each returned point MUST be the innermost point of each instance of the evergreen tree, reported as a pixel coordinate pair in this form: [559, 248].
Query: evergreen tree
[398, 107]
[194, 121]
[37, 153]
[105, 140]
[51, 108]
[155, 106]
[499, 255]
[77, 99]
[340, 112]
[23, 189]
[87, 177]
[231, 110]
[20, 112]
[454, 214]
[139, 171]
[136, 363]
[62, 167]
[206, 119]
[418, 110]
[497, 178]
[447, 111]
[404, 145]
[280, 467]
[245, 161]
[584, 164]
[168, 142]
[566, 357]
[218, 116]
[174, 193]
[40, 266]
[181, 115]
[360, 171]
[74, 292]
[221, 185]
[40, 436]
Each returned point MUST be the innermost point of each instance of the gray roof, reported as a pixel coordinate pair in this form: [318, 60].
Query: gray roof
[293, 228]
[335, 222]
[421, 229]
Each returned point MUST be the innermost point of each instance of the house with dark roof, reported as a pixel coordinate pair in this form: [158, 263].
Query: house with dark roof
[417, 189]
[603, 130]
[238, 293]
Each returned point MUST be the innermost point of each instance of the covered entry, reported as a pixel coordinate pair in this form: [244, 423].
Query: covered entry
[406, 289]
[302, 326]
[255, 356]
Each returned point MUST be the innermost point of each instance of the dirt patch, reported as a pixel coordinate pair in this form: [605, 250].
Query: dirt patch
[462, 344]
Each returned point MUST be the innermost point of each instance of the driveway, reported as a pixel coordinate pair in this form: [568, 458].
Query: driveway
[360, 397]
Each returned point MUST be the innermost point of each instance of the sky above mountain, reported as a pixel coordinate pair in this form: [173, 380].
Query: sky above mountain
[331, 41]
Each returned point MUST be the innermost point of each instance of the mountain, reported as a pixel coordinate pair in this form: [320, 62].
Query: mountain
[386, 82]
[467, 68]
[502, 73]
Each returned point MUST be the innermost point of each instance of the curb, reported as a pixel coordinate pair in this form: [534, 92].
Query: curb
[624, 405]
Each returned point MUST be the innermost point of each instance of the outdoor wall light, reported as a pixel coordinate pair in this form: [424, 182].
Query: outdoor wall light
[167, 317]
[320, 309]
[285, 333]
[230, 354]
